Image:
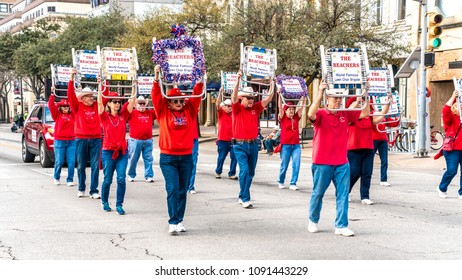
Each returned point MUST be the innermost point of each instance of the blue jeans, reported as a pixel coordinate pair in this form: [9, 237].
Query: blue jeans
[270, 144]
[195, 154]
[225, 147]
[177, 173]
[247, 156]
[322, 176]
[135, 149]
[64, 148]
[382, 147]
[109, 166]
[88, 149]
[361, 165]
[290, 151]
[453, 160]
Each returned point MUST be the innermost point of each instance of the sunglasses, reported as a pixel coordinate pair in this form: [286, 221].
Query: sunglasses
[116, 101]
[227, 105]
[176, 101]
[65, 106]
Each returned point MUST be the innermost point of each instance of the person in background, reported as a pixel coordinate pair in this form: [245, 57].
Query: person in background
[272, 140]
[195, 155]
[380, 137]
[289, 117]
[176, 124]
[88, 135]
[64, 138]
[140, 142]
[114, 154]
[225, 134]
[452, 126]
[246, 118]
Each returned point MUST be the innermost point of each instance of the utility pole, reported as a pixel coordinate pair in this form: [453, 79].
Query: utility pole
[22, 97]
[421, 96]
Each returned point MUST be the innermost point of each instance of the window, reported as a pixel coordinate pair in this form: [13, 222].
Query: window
[4, 8]
[379, 12]
[375, 12]
[449, 8]
[401, 9]
[51, 9]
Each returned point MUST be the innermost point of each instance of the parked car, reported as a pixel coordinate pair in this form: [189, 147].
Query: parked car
[38, 136]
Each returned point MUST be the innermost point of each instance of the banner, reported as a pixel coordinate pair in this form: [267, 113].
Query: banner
[258, 64]
[229, 80]
[180, 61]
[381, 99]
[346, 68]
[117, 62]
[63, 73]
[378, 81]
[89, 64]
[145, 84]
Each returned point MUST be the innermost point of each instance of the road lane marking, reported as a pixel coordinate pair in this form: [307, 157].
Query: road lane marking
[41, 172]
[12, 147]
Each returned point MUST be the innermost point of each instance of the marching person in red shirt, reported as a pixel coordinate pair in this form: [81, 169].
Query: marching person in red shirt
[225, 134]
[114, 155]
[246, 118]
[64, 138]
[176, 124]
[140, 142]
[88, 135]
[380, 137]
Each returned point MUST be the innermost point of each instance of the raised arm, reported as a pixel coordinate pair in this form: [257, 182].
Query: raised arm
[317, 102]
[268, 98]
[74, 103]
[301, 104]
[131, 103]
[281, 109]
[100, 98]
[156, 94]
[219, 97]
[52, 106]
[386, 107]
[234, 97]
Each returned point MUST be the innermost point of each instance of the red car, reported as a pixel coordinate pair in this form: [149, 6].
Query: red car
[38, 136]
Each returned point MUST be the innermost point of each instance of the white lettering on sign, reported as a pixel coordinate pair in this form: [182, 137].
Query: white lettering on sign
[258, 64]
[346, 68]
[180, 61]
[292, 86]
[88, 64]
[145, 84]
[63, 74]
[117, 62]
[378, 81]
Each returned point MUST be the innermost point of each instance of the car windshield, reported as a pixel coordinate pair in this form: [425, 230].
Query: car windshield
[48, 118]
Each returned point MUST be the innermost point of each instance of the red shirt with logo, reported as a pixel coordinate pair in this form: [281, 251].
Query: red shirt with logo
[114, 129]
[331, 136]
[225, 122]
[64, 123]
[289, 130]
[246, 121]
[87, 123]
[140, 123]
[360, 134]
[176, 127]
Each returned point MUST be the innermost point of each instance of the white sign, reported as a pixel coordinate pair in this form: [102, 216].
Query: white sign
[145, 84]
[89, 64]
[180, 61]
[63, 73]
[292, 85]
[117, 62]
[346, 68]
[394, 106]
[378, 81]
[258, 64]
[230, 80]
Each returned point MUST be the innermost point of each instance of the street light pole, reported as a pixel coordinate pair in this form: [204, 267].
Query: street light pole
[421, 96]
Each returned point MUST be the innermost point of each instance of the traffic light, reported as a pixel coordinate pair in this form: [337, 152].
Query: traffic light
[434, 30]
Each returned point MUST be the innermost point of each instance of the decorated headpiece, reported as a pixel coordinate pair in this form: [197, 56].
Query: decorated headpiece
[109, 95]
[63, 102]
[174, 92]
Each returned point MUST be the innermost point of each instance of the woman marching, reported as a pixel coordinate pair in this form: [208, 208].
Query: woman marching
[290, 141]
[452, 125]
[64, 138]
[176, 124]
[114, 154]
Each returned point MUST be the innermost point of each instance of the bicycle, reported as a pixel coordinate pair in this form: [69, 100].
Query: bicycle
[436, 139]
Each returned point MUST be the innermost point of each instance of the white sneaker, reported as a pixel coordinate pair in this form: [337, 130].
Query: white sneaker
[56, 182]
[180, 227]
[95, 196]
[80, 194]
[344, 231]
[460, 196]
[367, 201]
[312, 227]
[173, 229]
[385, 184]
[293, 187]
[70, 184]
[442, 194]
[240, 201]
[192, 191]
[247, 205]
[349, 199]
[149, 180]
[130, 179]
[217, 176]
[281, 186]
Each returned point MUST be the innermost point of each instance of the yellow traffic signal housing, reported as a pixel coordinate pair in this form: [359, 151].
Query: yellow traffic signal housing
[434, 30]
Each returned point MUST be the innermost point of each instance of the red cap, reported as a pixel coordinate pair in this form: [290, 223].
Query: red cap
[287, 106]
[174, 92]
[110, 94]
[63, 102]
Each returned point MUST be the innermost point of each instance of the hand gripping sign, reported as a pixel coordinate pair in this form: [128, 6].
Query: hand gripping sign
[258, 65]
[181, 61]
[345, 71]
[458, 87]
[88, 66]
[60, 75]
[292, 89]
[119, 68]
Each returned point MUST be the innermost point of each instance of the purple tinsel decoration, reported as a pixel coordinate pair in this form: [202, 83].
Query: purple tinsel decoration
[178, 30]
[292, 95]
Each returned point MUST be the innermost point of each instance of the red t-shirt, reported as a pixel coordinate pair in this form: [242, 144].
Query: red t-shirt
[245, 121]
[87, 123]
[380, 132]
[225, 122]
[331, 136]
[176, 127]
[64, 123]
[114, 129]
[140, 124]
[451, 125]
[360, 134]
[289, 130]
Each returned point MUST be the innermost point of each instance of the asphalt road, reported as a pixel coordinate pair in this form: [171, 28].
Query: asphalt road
[41, 221]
